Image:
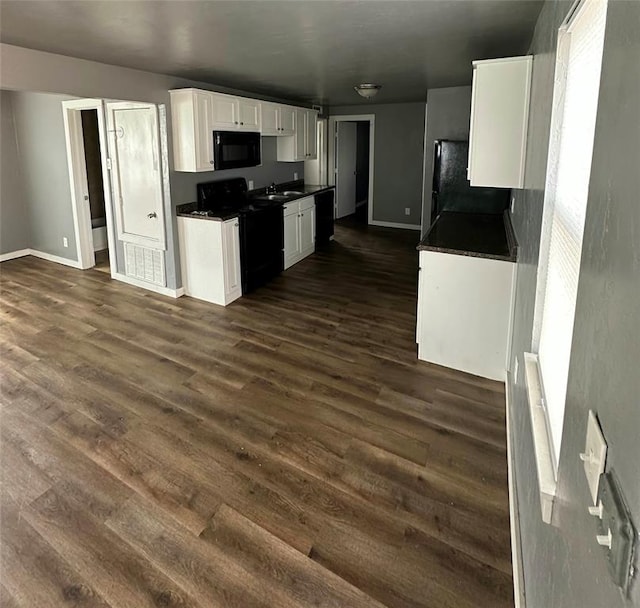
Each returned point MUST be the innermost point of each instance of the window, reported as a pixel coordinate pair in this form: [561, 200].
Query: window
[575, 102]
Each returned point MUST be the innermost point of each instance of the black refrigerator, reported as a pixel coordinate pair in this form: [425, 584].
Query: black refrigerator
[451, 190]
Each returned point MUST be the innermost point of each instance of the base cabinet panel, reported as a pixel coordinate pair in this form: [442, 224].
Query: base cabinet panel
[464, 312]
[210, 259]
[299, 230]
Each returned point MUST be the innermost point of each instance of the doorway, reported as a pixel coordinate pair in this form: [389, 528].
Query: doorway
[352, 157]
[95, 187]
[90, 195]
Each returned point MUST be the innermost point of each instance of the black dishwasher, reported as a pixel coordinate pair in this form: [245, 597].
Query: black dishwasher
[324, 217]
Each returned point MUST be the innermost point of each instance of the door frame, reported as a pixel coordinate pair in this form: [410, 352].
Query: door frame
[331, 140]
[72, 119]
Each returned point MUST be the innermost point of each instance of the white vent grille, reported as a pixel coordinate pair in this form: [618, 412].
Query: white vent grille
[144, 264]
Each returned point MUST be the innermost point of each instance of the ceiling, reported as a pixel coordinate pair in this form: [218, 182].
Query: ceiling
[302, 50]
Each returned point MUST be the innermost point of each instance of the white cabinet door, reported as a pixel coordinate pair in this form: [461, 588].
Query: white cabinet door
[225, 113]
[269, 119]
[248, 114]
[287, 120]
[307, 231]
[300, 134]
[311, 135]
[499, 117]
[203, 137]
[291, 235]
[231, 260]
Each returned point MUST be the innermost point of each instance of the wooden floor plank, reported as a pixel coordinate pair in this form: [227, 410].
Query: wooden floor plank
[288, 450]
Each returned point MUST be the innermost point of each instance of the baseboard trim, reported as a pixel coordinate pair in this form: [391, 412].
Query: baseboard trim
[164, 291]
[514, 512]
[43, 255]
[395, 225]
[54, 258]
[12, 255]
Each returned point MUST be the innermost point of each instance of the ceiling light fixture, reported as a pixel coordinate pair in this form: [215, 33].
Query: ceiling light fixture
[367, 90]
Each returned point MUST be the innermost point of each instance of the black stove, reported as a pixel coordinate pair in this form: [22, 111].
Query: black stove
[261, 228]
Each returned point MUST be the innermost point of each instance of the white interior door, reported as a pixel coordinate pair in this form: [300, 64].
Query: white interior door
[136, 175]
[346, 168]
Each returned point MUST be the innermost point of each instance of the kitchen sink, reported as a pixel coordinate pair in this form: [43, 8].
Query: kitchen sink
[292, 192]
[277, 197]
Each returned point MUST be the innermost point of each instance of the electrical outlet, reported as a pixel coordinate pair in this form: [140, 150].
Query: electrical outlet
[250, 184]
[295, 176]
[513, 202]
[65, 241]
[407, 211]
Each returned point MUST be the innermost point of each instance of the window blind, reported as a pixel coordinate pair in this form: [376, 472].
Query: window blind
[564, 226]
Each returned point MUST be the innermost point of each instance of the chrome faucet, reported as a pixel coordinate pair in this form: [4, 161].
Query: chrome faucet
[272, 188]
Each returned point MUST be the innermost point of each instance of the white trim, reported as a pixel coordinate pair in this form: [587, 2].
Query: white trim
[164, 291]
[55, 258]
[12, 255]
[77, 179]
[331, 141]
[541, 438]
[514, 510]
[395, 225]
[424, 175]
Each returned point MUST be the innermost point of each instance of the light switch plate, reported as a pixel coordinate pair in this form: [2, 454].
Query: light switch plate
[594, 455]
[616, 522]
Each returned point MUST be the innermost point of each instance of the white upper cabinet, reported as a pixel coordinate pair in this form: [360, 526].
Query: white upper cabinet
[191, 118]
[248, 114]
[235, 113]
[270, 118]
[499, 117]
[195, 114]
[225, 112]
[287, 120]
[302, 144]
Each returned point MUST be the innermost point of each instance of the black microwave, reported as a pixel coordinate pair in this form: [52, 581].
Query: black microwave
[233, 149]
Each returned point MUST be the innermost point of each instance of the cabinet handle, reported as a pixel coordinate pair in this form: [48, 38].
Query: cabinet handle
[152, 215]
[241, 123]
[236, 224]
[211, 162]
[235, 122]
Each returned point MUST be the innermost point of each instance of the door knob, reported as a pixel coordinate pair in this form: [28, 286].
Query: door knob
[152, 215]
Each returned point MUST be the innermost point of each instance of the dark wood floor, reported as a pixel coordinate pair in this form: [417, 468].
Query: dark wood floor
[287, 451]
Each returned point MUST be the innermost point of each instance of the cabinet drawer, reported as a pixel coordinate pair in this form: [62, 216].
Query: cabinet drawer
[307, 203]
[291, 208]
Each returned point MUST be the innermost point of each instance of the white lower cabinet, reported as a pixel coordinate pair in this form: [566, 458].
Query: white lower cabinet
[210, 259]
[299, 230]
[464, 312]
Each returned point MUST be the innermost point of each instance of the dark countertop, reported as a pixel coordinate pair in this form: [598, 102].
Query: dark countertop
[221, 215]
[480, 235]
[306, 189]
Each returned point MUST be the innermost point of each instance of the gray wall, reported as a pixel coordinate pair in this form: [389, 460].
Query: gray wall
[14, 223]
[563, 566]
[448, 116]
[362, 161]
[183, 185]
[45, 173]
[26, 70]
[398, 158]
